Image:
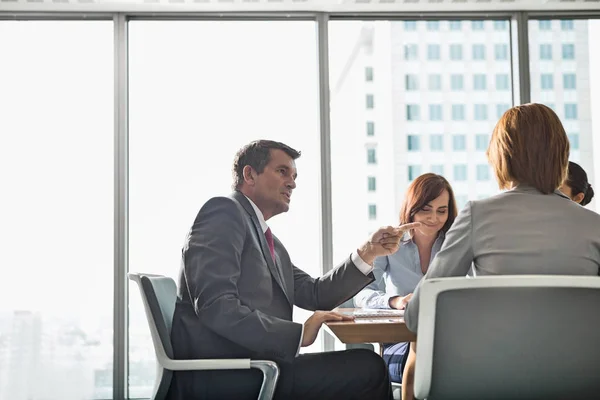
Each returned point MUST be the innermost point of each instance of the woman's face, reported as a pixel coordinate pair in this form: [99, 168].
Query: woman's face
[566, 189]
[433, 216]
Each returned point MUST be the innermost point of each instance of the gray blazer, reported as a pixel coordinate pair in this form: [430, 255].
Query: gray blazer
[521, 231]
[234, 301]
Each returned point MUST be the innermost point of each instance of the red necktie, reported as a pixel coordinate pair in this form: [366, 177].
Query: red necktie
[270, 242]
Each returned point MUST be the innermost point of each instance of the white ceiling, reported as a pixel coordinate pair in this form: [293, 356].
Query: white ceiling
[296, 5]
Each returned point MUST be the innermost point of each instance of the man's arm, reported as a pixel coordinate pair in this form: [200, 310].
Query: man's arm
[212, 260]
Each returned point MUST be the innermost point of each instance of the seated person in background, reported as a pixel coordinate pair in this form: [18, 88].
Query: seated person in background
[532, 228]
[430, 201]
[577, 186]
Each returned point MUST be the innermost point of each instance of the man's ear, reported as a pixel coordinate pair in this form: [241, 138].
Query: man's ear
[249, 175]
[578, 198]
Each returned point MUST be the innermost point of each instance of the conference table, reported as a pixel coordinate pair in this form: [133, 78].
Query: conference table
[372, 329]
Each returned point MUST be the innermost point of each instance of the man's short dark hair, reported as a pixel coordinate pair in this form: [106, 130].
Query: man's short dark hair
[257, 154]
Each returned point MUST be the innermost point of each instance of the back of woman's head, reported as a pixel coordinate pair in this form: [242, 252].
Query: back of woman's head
[578, 182]
[529, 146]
[424, 190]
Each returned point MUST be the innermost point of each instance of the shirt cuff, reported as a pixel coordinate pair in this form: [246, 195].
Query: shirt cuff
[360, 263]
[300, 344]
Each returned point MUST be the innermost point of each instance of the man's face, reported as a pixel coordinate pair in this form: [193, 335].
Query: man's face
[273, 187]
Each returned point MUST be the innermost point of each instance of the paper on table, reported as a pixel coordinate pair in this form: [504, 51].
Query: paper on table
[375, 320]
[374, 313]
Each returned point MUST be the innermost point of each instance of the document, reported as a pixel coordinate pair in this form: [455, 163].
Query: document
[374, 313]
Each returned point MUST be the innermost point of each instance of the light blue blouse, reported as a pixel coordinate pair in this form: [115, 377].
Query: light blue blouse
[395, 275]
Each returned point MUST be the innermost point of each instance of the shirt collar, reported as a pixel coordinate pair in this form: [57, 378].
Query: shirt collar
[259, 215]
[525, 188]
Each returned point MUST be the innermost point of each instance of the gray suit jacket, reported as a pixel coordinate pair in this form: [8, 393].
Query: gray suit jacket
[234, 301]
[521, 231]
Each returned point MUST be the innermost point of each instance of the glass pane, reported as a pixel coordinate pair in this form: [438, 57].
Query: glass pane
[190, 112]
[459, 101]
[566, 82]
[56, 154]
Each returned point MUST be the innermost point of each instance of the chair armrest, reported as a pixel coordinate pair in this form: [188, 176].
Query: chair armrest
[196, 365]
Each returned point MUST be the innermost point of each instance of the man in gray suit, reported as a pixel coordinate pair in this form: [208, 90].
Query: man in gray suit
[238, 286]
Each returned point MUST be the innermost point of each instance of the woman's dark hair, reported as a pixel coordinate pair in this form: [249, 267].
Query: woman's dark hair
[578, 182]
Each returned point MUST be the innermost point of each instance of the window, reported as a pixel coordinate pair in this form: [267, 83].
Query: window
[436, 142]
[435, 112]
[501, 51]
[412, 112]
[414, 143]
[433, 52]
[410, 25]
[547, 81]
[455, 25]
[371, 156]
[477, 25]
[569, 82]
[502, 82]
[480, 112]
[371, 183]
[545, 52]
[483, 172]
[369, 74]
[482, 141]
[458, 112]
[478, 52]
[370, 128]
[433, 25]
[500, 25]
[574, 141]
[570, 111]
[568, 51]
[456, 52]
[456, 82]
[500, 109]
[460, 172]
[437, 169]
[56, 330]
[413, 172]
[372, 211]
[567, 25]
[459, 142]
[435, 82]
[370, 101]
[461, 201]
[412, 82]
[479, 82]
[410, 52]
[545, 25]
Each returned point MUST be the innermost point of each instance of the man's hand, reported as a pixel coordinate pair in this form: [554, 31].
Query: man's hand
[314, 322]
[384, 242]
[400, 302]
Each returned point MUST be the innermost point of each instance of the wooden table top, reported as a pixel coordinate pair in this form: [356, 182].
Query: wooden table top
[370, 330]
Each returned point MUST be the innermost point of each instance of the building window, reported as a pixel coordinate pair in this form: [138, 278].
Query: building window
[481, 112]
[458, 112]
[435, 82]
[479, 82]
[436, 142]
[545, 25]
[370, 128]
[567, 25]
[414, 143]
[369, 74]
[370, 101]
[433, 25]
[413, 172]
[412, 112]
[459, 142]
[433, 52]
[570, 111]
[547, 81]
[478, 52]
[410, 52]
[455, 25]
[569, 81]
[412, 82]
[500, 25]
[410, 25]
[371, 184]
[437, 169]
[574, 141]
[481, 141]
[550, 105]
[460, 172]
[568, 51]
[501, 51]
[500, 109]
[372, 211]
[545, 52]
[435, 112]
[371, 156]
[456, 82]
[483, 172]
[461, 201]
[502, 82]
[456, 51]
[477, 25]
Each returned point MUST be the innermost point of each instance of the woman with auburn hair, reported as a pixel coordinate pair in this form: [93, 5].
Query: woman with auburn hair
[577, 186]
[429, 200]
[532, 228]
